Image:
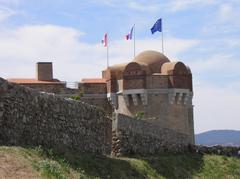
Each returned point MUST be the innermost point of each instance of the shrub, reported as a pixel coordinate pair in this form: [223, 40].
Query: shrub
[139, 115]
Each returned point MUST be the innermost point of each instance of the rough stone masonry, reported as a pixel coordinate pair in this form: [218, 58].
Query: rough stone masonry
[135, 136]
[31, 118]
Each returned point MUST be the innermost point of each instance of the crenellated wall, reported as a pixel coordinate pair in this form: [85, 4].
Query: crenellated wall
[31, 118]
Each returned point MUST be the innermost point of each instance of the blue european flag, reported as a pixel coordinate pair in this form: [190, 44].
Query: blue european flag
[157, 26]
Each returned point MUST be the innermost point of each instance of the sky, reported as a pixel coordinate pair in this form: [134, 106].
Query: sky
[205, 35]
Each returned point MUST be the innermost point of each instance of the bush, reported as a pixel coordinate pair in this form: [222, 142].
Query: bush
[77, 97]
[139, 115]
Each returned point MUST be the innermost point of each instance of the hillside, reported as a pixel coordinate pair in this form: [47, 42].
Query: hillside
[17, 162]
[218, 137]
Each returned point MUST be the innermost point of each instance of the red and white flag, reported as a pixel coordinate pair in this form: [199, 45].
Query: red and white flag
[130, 34]
[105, 40]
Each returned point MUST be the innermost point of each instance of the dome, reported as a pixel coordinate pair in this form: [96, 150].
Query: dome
[166, 67]
[136, 66]
[175, 68]
[117, 67]
[152, 59]
[115, 71]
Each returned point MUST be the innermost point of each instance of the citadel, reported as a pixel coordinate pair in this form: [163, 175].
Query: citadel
[144, 106]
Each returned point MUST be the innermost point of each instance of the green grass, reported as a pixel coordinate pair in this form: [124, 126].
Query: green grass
[85, 166]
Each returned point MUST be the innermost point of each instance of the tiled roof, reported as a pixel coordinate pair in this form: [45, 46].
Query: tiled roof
[32, 81]
[93, 80]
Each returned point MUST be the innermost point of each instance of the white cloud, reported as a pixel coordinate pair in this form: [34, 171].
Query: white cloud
[6, 2]
[228, 14]
[72, 58]
[221, 64]
[172, 46]
[143, 7]
[106, 2]
[124, 49]
[225, 19]
[37, 41]
[154, 5]
[5, 13]
[224, 11]
[232, 42]
[216, 107]
[217, 103]
[179, 5]
[23, 47]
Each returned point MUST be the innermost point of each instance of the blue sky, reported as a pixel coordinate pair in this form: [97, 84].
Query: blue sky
[203, 34]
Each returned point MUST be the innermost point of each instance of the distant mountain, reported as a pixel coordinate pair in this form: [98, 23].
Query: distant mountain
[218, 137]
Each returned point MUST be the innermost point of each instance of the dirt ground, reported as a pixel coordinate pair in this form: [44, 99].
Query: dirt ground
[14, 167]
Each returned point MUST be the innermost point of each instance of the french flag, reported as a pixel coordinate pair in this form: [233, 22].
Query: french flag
[129, 35]
[105, 40]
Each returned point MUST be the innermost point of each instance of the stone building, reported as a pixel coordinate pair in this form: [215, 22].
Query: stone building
[157, 88]
[151, 85]
[151, 88]
[44, 80]
[94, 92]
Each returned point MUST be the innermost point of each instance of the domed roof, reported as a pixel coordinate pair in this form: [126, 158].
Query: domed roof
[166, 67]
[115, 70]
[174, 67]
[152, 59]
[136, 65]
[118, 67]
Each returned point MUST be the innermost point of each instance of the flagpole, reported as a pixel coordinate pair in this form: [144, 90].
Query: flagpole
[162, 39]
[134, 43]
[107, 57]
[158, 27]
[107, 51]
[162, 44]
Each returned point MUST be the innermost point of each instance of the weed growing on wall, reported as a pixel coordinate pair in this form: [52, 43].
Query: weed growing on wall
[140, 115]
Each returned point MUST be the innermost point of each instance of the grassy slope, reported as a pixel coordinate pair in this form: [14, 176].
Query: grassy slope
[39, 163]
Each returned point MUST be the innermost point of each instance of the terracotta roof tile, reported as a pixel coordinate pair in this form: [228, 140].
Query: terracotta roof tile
[32, 81]
[93, 80]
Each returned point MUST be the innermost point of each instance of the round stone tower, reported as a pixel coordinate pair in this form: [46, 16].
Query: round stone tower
[153, 86]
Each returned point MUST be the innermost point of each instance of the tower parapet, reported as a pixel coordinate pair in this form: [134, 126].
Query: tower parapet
[153, 85]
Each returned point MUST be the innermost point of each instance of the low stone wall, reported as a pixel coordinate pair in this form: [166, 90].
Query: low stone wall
[101, 102]
[217, 150]
[30, 118]
[49, 88]
[133, 136]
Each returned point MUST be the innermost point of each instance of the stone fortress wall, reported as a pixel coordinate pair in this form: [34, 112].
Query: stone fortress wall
[135, 136]
[155, 87]
[31, 118]
[91, 93]
[151, 86]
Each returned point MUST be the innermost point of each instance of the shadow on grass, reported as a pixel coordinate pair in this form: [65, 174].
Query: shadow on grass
[174, 165]
[150, 166]
[105, 167]
[129, 167]
[93, 166]
[157, 166]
